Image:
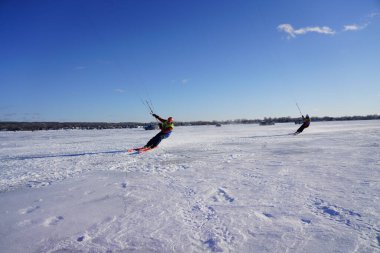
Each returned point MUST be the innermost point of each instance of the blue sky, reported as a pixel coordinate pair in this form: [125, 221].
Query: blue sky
[195, 60]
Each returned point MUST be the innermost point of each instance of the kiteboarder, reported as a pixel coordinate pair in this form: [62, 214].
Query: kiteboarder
[306, 124]
[166, 127]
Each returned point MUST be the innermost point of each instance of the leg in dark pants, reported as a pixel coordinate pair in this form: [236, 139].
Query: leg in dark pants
[299, 130]
[152, 143]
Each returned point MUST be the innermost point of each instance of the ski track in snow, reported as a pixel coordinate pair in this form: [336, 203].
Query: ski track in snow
[241, 188]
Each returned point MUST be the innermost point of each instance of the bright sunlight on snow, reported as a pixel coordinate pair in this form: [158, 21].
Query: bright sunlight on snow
[235, 188]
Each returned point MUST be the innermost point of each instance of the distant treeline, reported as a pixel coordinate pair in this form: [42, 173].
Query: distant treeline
[277, 120]
[34, 126]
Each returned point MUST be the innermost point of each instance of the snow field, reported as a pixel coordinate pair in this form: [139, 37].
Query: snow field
[238, 188]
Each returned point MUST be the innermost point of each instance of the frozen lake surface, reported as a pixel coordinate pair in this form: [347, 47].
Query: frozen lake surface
[235, 188]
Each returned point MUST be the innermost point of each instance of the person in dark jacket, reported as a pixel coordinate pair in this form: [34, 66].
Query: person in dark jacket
[166, 127]
[306, 124]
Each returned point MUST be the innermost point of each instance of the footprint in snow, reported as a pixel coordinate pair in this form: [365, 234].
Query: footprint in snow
[268, 215]
[339, 214]
[222, 195]
[264, 216]
[333, 210]
[37, 184]
[81, 238]
[212, 244]
[28, 210]
[52, 221]
[234, 156]
[184, 167]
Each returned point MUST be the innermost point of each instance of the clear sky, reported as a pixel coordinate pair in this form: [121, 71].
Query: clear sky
[78, 60]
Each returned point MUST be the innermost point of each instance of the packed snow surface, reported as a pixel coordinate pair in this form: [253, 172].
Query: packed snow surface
[235, 188]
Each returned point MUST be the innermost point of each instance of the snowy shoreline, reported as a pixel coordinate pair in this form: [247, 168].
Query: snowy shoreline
[238, 188]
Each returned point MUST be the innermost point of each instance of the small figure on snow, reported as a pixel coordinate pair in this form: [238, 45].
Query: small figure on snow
[306, 124]
[166, 127]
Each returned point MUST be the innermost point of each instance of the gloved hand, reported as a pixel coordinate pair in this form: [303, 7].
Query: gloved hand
[155, 115]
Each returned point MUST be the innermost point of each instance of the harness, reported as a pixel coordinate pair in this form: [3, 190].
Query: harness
[166, 125]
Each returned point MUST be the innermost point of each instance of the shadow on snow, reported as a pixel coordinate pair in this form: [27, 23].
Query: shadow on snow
[68, 155]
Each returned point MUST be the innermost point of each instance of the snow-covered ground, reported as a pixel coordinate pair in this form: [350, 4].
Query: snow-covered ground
[236, 188]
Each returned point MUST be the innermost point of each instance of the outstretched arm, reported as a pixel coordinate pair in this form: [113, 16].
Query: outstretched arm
[158, 117]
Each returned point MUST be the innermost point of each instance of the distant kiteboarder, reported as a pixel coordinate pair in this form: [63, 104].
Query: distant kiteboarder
[306, 124]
